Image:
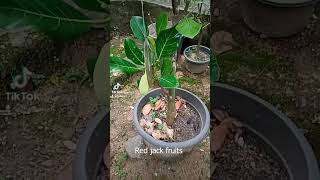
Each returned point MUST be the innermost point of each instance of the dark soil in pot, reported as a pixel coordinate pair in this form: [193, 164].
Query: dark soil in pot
[241, 153]
[186, 125]
[200, 56]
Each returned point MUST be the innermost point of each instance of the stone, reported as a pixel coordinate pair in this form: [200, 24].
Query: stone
[47, 163]
[132, 144]
[222, 41]
[70, 145]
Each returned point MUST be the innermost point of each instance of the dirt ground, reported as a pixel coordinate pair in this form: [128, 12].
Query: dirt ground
[283, 71]
[39, 137]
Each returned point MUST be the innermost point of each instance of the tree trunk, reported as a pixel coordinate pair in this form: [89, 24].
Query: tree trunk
[171, 112]
[147, 58]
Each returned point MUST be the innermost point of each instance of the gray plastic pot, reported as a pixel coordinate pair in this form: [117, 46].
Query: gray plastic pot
[185, 146]
[89, 155]
[270, 126]
[277, 18]
[196, 66]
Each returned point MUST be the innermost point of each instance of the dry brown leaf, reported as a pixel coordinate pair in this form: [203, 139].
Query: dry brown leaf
[170, 133]
[150, 130]
[157, 120]
[146, 109]
[178, 104]
[143, 123]
[219, 114]
[158, 105]
[156, 134]
[218, 136]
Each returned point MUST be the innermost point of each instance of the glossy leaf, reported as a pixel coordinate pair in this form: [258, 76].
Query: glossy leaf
[169, 82]
[143, 85]
[161, 23]
[101, 76]
[133, 52]
[167, 43]
[57, 19]
[188, 27]
[139, 28]
[166, 68]
[118, 64]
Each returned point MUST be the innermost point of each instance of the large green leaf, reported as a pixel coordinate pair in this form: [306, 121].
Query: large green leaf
[169, 82]
[144, 85]
[133, 52]
[166, 68]
[56, 18]
[161, 22]
[139, 27]
[101, 76]
[167, 43]
[188, 27]
[118, 64]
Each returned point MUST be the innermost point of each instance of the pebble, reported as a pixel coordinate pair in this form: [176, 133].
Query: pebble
[132, 144]
[70, 145]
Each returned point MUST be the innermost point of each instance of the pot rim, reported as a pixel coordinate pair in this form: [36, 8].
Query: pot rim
[304, 144]
[185, 144]
[196, 62]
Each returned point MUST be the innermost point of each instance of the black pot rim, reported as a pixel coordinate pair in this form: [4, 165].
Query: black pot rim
[185, 144]
[81, 161]
[306, 147]
[196, 62]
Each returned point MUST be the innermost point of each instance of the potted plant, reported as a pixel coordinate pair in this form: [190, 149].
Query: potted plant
[197, 57]
[159, 115]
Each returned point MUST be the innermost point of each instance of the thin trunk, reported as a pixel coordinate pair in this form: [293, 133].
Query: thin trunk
[147, 59]
[199, 43]
[171, 112]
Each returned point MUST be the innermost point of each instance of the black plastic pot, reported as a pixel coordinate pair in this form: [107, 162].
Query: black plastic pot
[271, 126]
[91, 147]
[185, 146]
[277, 18]
[196, 66]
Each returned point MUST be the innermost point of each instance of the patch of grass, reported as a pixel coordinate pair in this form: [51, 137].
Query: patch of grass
[246, 58]
[189, 81]
[122, 158]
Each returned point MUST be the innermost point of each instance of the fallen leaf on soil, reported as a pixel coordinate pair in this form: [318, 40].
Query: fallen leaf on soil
[157, 120]
[157, 134]
[146, 109]
[219, 114]
[178, 104]
[150, 124]
[158, 105]
[150, 130]
[218, 135]
[143, 123]
[170, 133]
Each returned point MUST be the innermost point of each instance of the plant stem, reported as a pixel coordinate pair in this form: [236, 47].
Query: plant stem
[199, 43]
[147, 58]
[171, 112]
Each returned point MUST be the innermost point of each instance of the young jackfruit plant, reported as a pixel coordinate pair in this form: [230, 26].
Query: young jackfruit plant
[157, 56]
